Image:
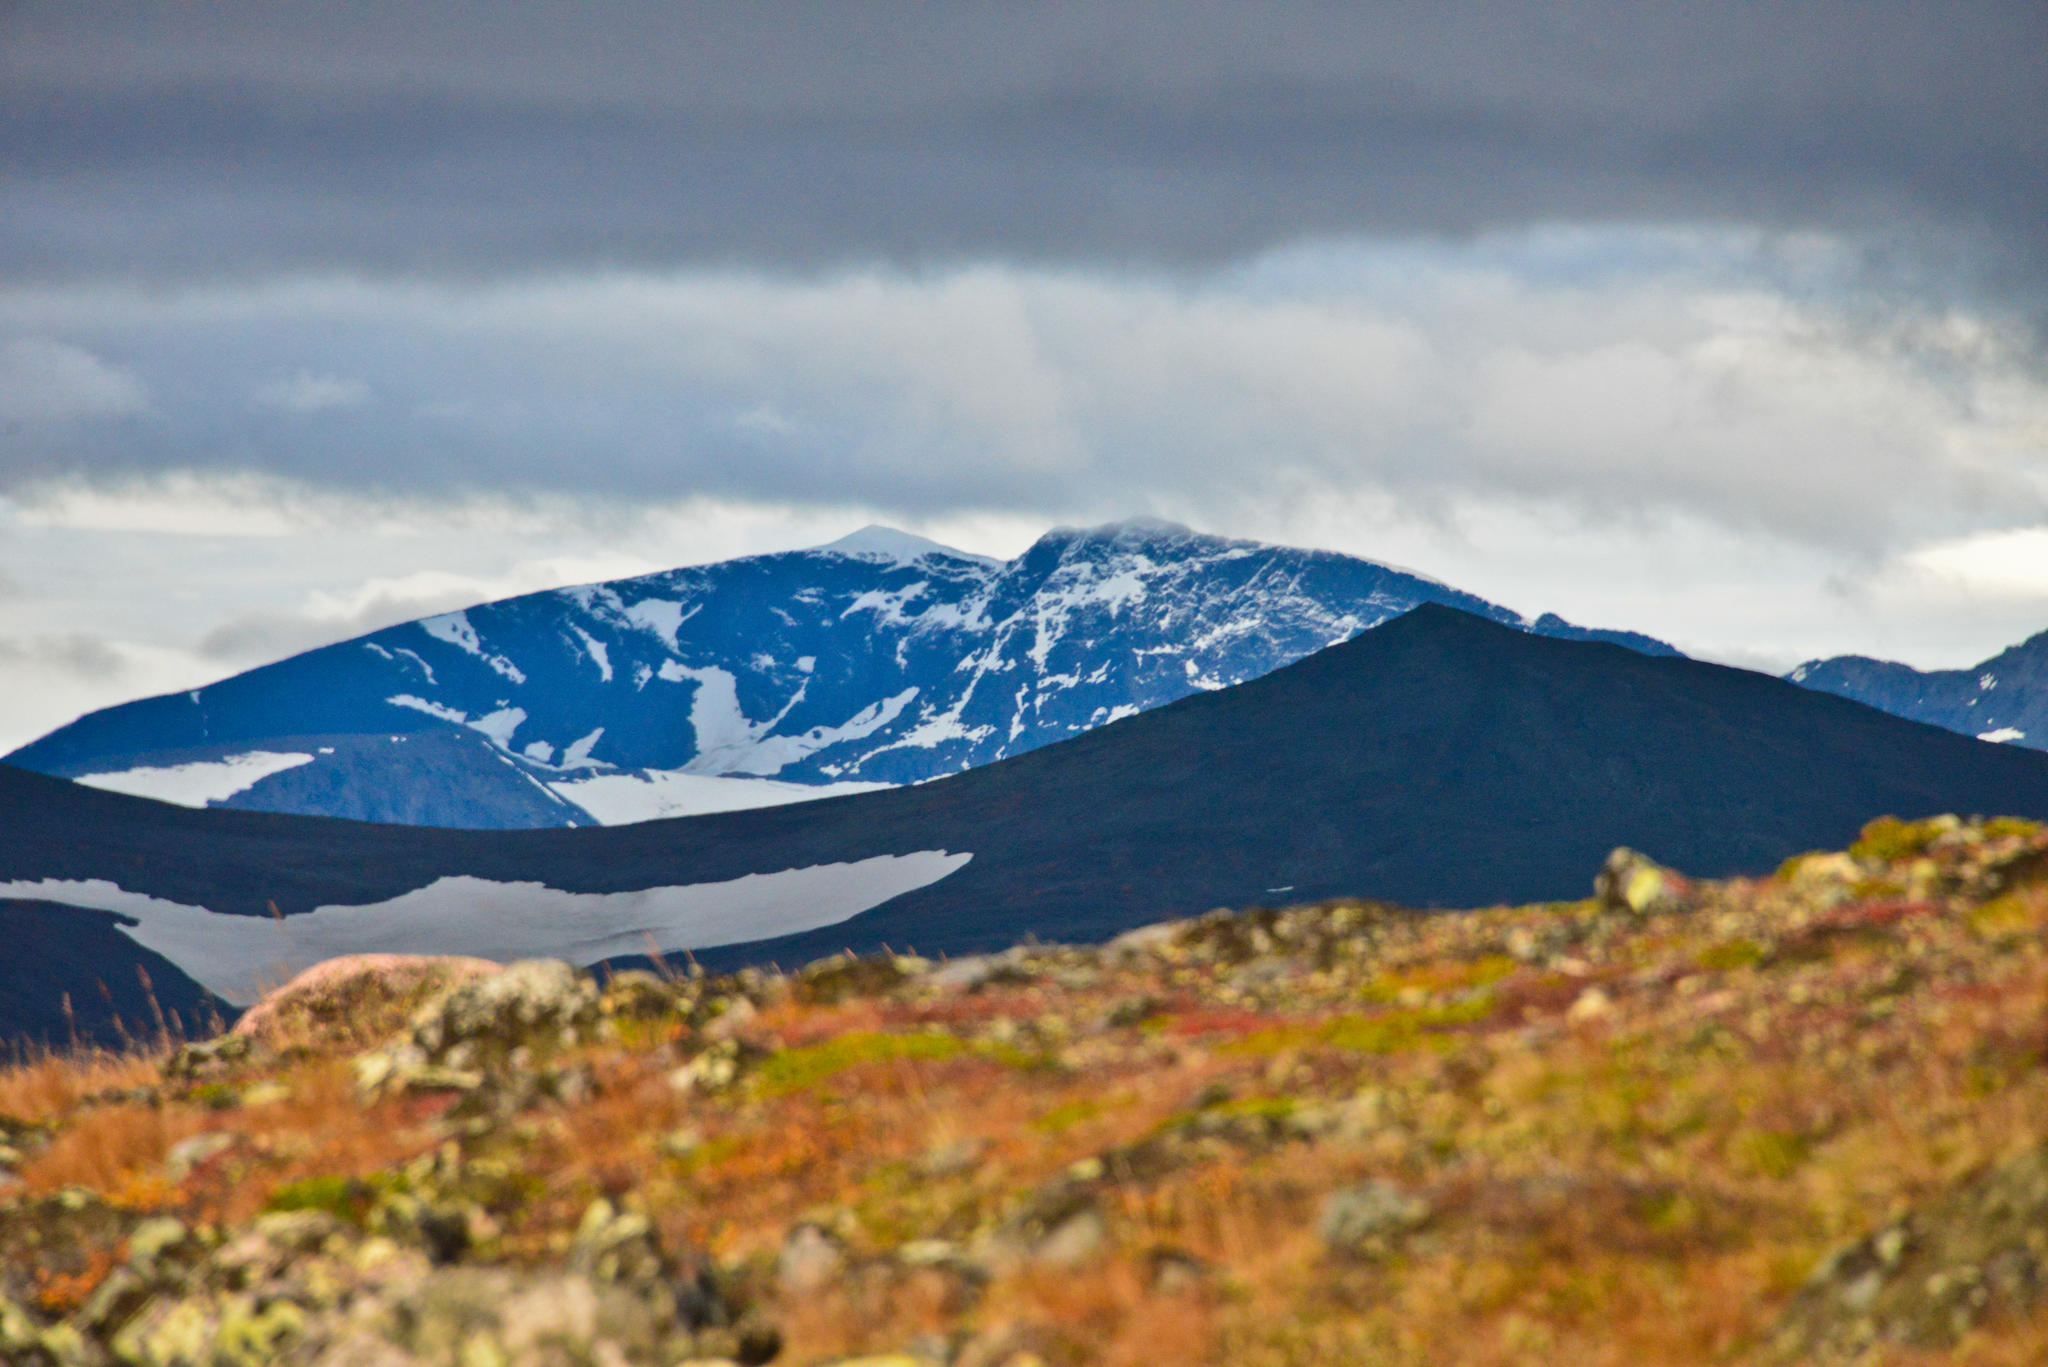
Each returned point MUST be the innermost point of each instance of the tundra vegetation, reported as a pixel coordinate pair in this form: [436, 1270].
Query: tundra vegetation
[1794, 1118]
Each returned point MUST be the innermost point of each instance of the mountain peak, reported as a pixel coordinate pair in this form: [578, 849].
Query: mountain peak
[882, 657]
[876, 542]
[1128, 531]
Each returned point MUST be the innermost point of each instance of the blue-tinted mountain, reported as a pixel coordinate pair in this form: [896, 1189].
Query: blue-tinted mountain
[1439, 760]
[880, 659]
[2004, 699]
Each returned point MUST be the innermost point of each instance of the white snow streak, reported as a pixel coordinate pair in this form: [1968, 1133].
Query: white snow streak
[599, 654]
[432, 709]
[651, 794]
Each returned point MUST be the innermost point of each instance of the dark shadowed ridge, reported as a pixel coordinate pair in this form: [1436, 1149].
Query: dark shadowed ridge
[1437, 761]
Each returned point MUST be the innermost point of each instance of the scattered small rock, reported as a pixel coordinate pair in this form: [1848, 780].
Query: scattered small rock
[189, 1155]
[1174, 1270]
[811, 1259]
[1370, 1220]
[952, 1159]
[1591, 1004]
[1073, 1241]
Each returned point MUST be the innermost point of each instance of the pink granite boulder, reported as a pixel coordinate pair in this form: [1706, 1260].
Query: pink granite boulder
[355, 1001]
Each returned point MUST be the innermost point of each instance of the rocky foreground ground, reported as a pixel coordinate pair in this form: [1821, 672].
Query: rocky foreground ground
[1801, 1118]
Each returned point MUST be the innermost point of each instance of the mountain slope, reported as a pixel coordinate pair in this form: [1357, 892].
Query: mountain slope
[2004, 699]
[1439, 760]
[879, 659]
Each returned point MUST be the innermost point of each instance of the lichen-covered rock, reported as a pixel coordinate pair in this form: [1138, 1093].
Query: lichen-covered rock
[614, 1245]
[532, 1001]
[846, 975]
[207, 1059]
[636, 994]
[1925, 1281]
[717, 1068]
[491, 1029]
[1637, 884]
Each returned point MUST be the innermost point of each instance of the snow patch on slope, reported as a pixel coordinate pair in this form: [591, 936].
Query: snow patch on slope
[457, 630]
[239, 957]
[771, 754]
[651, 794]
[500, 725]
[727, 743]
[888, 604]
[198, 783]
[715, 713]
[661, 616]
[2002, 735]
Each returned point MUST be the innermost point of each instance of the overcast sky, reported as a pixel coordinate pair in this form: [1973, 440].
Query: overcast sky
[1724, 322]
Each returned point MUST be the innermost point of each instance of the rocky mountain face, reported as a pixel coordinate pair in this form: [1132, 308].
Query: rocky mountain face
[880, 659]
[2003, 699]
[1768, 1121]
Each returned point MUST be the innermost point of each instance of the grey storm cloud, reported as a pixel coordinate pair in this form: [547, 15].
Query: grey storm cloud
[1782, 266]
[70, 653]
[455, 138]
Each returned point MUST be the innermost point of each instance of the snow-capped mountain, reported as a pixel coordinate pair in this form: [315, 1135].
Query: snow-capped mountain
[2002, 699]
[879, 659]
[1440, 760]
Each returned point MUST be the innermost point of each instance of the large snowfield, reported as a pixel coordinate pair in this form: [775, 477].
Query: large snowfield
[240, 957]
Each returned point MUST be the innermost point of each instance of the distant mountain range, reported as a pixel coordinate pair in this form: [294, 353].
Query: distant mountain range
[2004, 699]
[1441, 759]
[879, 659]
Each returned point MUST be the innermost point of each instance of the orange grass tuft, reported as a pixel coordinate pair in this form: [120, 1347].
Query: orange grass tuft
[37, 1091]
[114, 1147]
